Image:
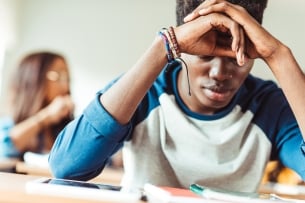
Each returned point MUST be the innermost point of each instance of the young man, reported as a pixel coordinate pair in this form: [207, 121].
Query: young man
[201, 118]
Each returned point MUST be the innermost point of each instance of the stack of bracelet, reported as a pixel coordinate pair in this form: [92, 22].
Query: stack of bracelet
[171, 44]
[172, 49]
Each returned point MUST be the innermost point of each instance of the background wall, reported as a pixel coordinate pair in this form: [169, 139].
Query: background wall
[102, 38]
[285, 20]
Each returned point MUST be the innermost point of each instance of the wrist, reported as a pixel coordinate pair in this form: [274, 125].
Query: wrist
[280, 54]
[170, 43]
[41, 119]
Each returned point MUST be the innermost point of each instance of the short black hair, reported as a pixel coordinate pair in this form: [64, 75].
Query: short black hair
[254, 7]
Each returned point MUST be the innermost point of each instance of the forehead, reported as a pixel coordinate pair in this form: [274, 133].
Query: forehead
[59, 65]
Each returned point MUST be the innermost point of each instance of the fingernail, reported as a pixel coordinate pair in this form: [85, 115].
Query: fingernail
[188, 17]
[242, 59]
[235, 47]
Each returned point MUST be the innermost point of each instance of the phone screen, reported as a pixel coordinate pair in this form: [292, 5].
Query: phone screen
[82, 184]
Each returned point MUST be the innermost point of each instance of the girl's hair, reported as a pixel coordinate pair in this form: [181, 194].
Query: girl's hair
[254, 7]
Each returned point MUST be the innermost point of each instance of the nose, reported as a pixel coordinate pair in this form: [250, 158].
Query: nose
[220, 70]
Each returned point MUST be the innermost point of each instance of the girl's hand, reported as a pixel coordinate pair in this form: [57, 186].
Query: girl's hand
[61, 107]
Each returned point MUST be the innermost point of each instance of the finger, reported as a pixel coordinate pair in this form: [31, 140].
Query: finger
[226, 23]
[195, 14]
[235, 32]
[221, 6]
[236, 12]
[191, 17]
[241, 49]
[239, 57]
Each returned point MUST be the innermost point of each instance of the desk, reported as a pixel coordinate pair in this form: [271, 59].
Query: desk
[284, 190]
[109, 175]
[8, 164]
[12, 190]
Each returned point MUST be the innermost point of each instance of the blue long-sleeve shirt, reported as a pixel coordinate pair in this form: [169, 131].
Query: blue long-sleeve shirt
[165, 143]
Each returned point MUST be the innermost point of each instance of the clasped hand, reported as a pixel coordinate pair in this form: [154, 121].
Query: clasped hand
[219, 28]
[59, 108]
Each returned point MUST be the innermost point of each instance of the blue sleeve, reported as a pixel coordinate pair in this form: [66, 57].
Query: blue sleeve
[7, 148]
[288, 143]
[292, 155]
[291, 149]
[275, 117]
[83, 148]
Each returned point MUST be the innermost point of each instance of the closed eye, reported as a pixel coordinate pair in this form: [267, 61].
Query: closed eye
[234, 61]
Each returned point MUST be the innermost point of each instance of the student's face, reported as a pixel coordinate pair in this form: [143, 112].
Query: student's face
[213, 82]
[58, 80]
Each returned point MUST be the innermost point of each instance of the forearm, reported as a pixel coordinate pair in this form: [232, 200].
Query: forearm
[87, 143]
[122, 99]
[292, 80]
[24, 133]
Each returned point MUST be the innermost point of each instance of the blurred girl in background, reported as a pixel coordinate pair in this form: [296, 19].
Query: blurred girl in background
[40, 105]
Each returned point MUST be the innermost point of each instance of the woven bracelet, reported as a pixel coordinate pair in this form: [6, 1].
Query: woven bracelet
[169, 52]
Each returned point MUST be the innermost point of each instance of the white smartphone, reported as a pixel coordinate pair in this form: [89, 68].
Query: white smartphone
[80, 190]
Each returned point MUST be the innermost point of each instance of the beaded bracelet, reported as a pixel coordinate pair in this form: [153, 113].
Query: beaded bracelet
[173, 38]
[172, 49]
[171, 43]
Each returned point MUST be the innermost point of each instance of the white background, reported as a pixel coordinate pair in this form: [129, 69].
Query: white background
[103, 38]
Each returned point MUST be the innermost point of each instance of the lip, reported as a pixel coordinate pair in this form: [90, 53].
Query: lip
[217, 93]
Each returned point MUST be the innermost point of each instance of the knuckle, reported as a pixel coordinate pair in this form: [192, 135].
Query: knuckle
[224, 6]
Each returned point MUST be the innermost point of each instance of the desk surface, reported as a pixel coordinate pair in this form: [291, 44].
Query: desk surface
[109, 175]
[12, 190]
